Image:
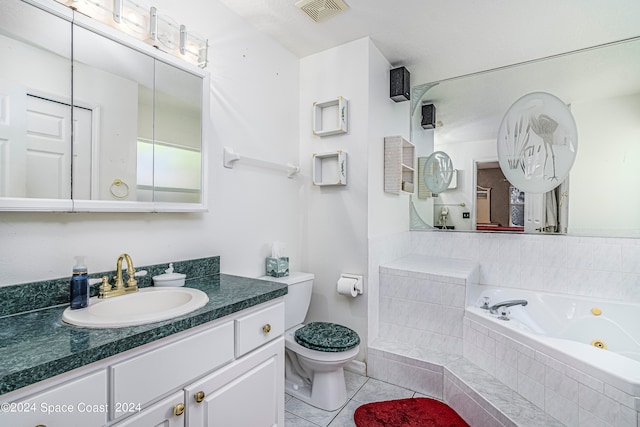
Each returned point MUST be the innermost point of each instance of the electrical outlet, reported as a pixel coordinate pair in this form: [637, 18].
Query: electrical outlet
[465, 215]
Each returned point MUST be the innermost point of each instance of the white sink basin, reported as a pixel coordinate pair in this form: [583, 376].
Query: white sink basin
[145, 306]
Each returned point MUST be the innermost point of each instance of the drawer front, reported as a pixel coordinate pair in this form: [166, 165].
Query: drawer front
[145, 377]
[258, 328]
[81, 402]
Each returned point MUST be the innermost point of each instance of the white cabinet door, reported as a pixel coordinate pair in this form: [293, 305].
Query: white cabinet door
[247, 393]
[148, 376]
[165, 413]
[81, 402]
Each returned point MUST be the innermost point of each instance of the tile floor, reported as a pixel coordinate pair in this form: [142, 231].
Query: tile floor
[360, 390]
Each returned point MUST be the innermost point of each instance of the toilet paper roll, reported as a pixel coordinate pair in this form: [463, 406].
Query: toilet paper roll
[347, 286]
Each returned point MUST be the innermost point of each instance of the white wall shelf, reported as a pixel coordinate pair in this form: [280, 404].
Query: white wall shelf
[330, 117]
[330, 168]
[399, 165]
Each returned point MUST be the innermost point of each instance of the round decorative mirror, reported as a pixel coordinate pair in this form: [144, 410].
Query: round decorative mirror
[438, 171]
[537, 142]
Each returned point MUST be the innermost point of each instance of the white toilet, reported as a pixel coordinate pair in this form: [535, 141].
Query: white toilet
[315, 353]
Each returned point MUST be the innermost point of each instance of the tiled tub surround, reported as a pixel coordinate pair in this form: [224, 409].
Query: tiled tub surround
[565, 328]
[597, 267]
[422, 301]
[36, 345]
[495, 380]
[573, 396]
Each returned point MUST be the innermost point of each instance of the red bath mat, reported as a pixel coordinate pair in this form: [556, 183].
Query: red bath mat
[415, 412]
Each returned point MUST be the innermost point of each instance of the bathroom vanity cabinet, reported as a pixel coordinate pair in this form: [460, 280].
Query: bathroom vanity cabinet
[228, 372]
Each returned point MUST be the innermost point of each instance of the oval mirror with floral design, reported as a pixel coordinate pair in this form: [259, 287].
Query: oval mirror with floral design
[537, 142]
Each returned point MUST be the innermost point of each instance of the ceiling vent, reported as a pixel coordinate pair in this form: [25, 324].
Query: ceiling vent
[319, 10]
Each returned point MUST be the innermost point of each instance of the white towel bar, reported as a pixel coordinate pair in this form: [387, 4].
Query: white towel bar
[230, 158]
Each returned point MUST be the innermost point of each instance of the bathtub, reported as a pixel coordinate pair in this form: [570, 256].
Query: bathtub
[568, 329]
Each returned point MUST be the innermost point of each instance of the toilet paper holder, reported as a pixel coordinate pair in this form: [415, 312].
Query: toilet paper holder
[359, 281]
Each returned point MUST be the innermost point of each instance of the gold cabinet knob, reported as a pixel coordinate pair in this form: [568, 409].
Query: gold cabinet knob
[266, 328]
[178, 409]
[199, 396]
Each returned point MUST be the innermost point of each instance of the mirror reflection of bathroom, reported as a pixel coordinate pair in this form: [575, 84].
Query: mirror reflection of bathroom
[499, 205]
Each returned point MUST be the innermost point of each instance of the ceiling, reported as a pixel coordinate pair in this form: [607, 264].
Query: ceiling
[441, 39]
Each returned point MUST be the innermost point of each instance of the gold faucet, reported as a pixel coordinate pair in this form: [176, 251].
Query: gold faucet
[119, 288]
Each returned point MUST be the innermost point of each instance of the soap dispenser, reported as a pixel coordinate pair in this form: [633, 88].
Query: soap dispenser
[79, 285]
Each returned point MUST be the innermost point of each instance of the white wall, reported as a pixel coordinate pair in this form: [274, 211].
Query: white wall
[254, 109]
[339, 219]
[387, 213]
[608, 151]
[335, 217]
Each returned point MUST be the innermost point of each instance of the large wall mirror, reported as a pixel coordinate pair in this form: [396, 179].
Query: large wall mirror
[93, 121]
[601, 86]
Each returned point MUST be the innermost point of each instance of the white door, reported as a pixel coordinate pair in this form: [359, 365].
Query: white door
[13, 128]
[534, 211]
[48, 149]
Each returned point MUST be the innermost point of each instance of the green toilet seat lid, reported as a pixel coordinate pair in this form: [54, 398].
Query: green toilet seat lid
[324, 336]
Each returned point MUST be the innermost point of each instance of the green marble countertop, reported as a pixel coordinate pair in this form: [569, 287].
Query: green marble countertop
[37, 345]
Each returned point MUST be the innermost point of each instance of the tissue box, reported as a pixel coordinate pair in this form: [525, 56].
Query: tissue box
[277, 267]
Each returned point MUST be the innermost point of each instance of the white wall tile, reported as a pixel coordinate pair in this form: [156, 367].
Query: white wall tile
[488, 249]
[507, 375]
[607, 257]
[531, 367]
[413, 378]
[587, 419]
[466, 407]
[555, 253]
[566, 411]
[584, 379]
[630, 255]
[598, 404]
[531, 389]
[626, 418]
[453, 295]
[506, 355]
[531, 251]
[561, 385]
[580, 255]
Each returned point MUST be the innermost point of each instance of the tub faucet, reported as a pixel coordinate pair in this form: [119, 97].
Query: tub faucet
[494, 309]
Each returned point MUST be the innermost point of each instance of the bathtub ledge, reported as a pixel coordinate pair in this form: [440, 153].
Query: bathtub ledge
[474, 393]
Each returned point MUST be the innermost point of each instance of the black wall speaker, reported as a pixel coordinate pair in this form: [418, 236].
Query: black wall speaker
[400, 86]
[428, 116]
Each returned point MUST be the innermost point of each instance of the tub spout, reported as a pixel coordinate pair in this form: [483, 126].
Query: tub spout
[495, 309]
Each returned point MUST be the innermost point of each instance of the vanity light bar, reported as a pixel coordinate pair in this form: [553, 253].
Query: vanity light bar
[141, 22]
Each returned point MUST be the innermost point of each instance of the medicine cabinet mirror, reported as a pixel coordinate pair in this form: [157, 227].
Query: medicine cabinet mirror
[123, 131]
[601, 86]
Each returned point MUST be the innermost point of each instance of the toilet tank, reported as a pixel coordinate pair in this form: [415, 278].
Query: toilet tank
[296, 302]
